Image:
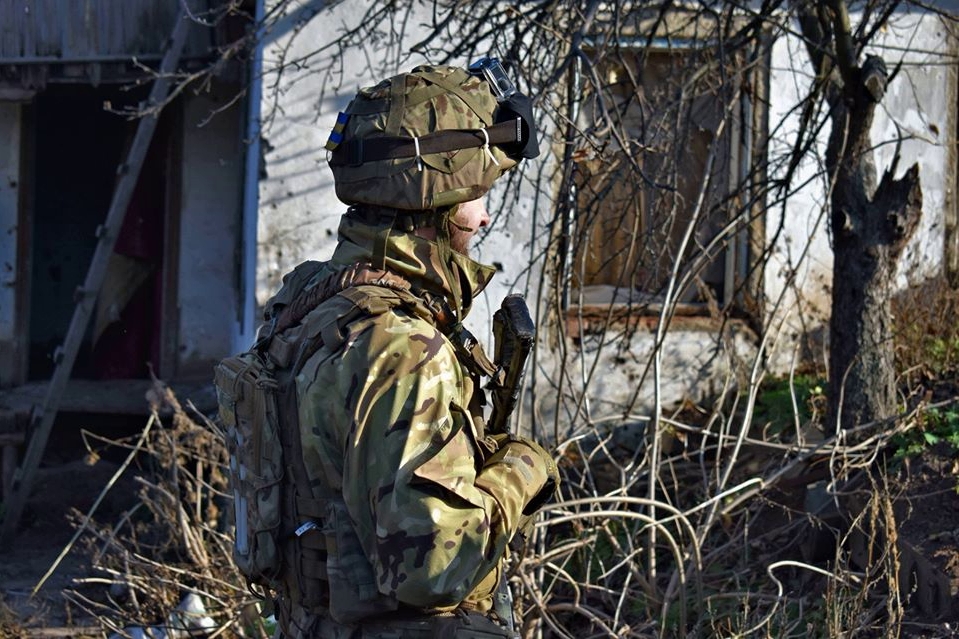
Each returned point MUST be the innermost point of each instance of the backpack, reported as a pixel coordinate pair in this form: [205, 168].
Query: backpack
[287, 541]
[246, 393]
[247, 389]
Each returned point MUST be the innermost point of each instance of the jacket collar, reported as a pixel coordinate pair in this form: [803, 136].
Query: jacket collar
[429, 265]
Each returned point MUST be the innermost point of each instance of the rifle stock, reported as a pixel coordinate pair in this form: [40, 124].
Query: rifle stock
[514, 335]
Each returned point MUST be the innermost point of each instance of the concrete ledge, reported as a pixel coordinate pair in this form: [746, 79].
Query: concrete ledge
[113, 396]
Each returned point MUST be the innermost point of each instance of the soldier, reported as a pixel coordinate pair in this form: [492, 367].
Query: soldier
[403, 504]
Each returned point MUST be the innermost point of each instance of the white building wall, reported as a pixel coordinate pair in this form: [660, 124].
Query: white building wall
[9, 202]
[799, 273]
[212, 174]
[921, 101]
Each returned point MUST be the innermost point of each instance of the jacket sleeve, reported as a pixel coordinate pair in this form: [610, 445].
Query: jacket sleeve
[410, 466]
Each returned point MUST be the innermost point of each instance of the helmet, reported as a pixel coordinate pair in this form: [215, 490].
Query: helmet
[427, 139]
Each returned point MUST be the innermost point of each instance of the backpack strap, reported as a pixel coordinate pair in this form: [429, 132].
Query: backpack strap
[306, 553]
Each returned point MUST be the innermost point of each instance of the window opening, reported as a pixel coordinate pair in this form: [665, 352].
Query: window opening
[666, 133]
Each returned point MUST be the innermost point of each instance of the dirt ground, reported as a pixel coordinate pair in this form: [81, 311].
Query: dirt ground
[63, 483]
[928, 515]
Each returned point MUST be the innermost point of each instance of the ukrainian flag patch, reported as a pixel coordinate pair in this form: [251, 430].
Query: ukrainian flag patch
[336, 135]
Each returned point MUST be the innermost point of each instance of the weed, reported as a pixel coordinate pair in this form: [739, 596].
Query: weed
[10, 625]
[927, 337]
[935, 426]
[782, 403]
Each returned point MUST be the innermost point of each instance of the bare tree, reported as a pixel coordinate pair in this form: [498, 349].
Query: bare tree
[871, 223]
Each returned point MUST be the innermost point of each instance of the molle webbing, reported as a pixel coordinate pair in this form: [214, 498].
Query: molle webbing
[306, 553]
[309, 298]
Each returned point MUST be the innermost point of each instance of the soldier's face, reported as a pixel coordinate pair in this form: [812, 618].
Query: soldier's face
[470, 217]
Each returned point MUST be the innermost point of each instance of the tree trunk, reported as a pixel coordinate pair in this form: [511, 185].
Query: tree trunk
[870, 226]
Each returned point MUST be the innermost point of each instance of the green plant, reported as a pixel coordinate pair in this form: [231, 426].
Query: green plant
[782, 402]
[935, 426]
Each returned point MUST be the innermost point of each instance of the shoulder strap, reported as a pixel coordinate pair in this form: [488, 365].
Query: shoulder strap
[293, 284]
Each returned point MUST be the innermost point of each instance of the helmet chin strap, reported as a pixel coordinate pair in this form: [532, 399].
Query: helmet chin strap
[443, 219]
[464, 229]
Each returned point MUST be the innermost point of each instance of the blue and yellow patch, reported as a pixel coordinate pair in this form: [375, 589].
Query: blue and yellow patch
[336, 135]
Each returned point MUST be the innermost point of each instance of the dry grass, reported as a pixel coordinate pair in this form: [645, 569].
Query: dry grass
[174, 542]
[10, 625]
[732, 559]
[927, 338]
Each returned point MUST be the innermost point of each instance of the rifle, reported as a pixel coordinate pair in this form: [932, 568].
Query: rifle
[514, 335]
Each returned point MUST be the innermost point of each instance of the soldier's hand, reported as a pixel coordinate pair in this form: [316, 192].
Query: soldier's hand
[521, 474]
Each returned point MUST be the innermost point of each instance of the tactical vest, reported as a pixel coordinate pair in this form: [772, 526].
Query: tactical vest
[288, 541]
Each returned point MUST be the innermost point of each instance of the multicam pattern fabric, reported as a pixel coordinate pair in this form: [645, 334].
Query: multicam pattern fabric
[392, 421]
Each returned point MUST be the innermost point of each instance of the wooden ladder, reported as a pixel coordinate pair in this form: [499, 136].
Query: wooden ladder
[42, 415]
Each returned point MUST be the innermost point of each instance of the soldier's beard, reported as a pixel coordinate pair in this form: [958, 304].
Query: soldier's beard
[460, 241]
[460, 236]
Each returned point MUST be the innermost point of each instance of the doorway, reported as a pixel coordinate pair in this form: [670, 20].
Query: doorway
[77, 147]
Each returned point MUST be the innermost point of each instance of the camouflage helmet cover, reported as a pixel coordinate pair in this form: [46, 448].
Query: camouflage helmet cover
[391, 147]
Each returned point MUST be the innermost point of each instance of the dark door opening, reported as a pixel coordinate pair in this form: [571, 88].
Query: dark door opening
[77, 148]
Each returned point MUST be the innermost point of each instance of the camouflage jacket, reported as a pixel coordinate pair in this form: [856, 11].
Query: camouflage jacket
[393, 421]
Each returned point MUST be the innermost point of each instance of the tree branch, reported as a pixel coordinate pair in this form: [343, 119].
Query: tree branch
[902, 200]
[844, 49]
